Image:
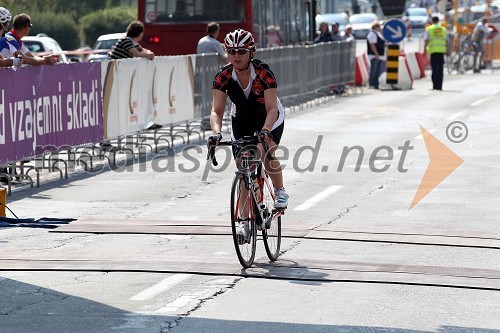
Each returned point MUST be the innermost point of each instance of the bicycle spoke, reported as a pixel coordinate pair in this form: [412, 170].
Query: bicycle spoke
[271, 233]
[240, 209]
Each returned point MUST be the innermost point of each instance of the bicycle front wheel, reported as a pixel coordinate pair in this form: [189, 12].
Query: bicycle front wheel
[241, 208]
[271, 231]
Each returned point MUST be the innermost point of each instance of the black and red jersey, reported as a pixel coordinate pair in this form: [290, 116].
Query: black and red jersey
[249, 111]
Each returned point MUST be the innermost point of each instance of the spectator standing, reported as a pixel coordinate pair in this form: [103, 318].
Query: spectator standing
[376, 54]
[5, 19]
[324, 34]
[347, 34]
[336, 37]
[128, 46]
[480, 32]
[13, 46]
[273, 36]
[435, 45]
[210, 44]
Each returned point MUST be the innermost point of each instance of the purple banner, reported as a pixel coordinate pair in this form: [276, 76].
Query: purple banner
[48, 107]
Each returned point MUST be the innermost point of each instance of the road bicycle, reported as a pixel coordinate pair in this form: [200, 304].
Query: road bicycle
[463, 60]
[252, 202]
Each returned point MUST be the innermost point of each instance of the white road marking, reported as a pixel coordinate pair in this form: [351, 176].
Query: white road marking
[376, 163]
[362, 166]
[396, 153]
[180, 302]
[160, 287]
[481, 101]
[456, 115]
[318, 197]
[221, 253]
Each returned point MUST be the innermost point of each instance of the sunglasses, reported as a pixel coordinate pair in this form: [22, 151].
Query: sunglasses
[239, 51]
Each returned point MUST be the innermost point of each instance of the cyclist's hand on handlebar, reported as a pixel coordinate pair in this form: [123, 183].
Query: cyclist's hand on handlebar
[265, 135]
[214, 139]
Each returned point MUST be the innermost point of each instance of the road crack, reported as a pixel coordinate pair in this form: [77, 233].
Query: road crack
[171, 324]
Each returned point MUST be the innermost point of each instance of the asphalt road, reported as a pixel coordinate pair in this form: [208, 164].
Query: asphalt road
[365, 262]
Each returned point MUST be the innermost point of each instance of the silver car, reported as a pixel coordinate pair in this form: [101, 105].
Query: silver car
[41, 45]
[362, 24]
[418, 17]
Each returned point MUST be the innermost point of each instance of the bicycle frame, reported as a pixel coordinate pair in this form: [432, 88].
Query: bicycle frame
[248, 163]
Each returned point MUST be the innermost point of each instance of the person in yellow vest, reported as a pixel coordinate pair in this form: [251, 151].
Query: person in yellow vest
[435, 45]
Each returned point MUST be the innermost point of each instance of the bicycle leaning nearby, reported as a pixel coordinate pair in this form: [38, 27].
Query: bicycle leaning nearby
[462, 60]
[252, 202]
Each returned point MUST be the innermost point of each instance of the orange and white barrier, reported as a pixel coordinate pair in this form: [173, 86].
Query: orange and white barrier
[405, 79]
[415, 70]
[423, 62]
[362, 70]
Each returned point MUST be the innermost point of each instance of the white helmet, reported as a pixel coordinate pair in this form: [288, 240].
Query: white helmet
[239, 38]
[5, 16]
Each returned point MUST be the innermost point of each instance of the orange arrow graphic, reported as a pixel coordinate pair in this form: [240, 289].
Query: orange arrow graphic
[442, 163]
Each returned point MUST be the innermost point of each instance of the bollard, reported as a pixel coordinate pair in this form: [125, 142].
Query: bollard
[3, 201]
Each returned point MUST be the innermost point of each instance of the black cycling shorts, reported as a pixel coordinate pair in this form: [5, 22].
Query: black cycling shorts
[239, 134]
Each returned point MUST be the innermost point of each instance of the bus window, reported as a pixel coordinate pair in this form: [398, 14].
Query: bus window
[180, 11]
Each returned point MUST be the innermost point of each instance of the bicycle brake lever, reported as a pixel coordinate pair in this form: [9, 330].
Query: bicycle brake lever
[211, 155]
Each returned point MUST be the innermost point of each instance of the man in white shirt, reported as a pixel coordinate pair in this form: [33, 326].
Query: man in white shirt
[376, 54]
[480, 32]
[210, 44]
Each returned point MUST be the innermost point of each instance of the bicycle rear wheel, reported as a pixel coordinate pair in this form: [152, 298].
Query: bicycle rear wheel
[468, 61]
[271, 231]
[241, 206]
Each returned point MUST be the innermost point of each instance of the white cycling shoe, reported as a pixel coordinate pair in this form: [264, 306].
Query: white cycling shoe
[243, 231]
[281, 199]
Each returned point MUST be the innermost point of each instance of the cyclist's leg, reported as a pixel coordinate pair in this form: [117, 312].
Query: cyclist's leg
[273, 168]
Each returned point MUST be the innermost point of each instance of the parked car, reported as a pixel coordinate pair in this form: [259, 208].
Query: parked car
[474, 13]
[103, 45]
[41, 44]
[341, 18]
[417, 16]
[362, 24]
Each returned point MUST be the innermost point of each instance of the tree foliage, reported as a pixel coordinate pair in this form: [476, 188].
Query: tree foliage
[106, 21]
[76, 9]
[62, 19]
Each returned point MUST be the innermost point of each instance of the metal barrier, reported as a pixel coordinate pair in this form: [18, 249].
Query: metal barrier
[299, 70]
[306, 69]
[206, 66]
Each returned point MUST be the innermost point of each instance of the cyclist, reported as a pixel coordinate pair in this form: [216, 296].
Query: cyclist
[252, 89]
[5, 19]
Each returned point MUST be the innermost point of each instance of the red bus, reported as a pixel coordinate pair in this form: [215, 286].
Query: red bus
[174, 27]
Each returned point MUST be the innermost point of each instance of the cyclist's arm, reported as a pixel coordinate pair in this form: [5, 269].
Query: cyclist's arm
[271, 101]
[218, 105]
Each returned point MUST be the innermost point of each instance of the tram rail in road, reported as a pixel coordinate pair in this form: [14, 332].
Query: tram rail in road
[285, 269]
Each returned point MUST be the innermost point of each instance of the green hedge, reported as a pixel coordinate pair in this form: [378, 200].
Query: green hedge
[58, 26]
[105, 21]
